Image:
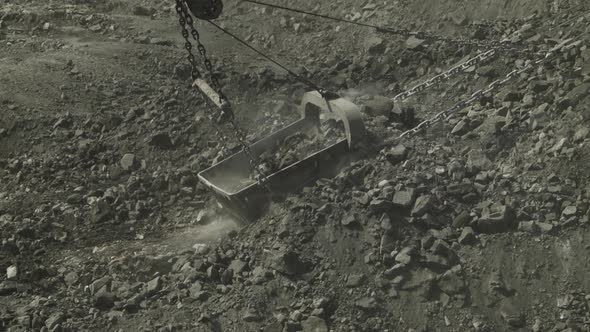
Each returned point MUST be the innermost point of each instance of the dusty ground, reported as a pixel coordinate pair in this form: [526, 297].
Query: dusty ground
[478, 224]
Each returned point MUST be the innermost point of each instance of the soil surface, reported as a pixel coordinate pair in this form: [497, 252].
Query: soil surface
[479, 222]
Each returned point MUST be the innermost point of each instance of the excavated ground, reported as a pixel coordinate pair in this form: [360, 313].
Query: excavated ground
[480, 223]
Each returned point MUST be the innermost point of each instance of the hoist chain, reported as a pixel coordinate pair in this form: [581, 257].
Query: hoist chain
[477, 95]
[184, 14]
[195, 73]
[185, 19]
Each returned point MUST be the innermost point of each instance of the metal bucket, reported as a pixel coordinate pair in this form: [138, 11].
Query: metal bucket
[230, 180]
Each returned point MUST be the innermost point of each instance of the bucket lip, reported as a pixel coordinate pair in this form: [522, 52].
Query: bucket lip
[202, 175]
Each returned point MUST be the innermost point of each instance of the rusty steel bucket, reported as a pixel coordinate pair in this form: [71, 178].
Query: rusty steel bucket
[230, 180]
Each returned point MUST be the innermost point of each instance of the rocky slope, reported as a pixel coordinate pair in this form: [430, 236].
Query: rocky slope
[479, 223]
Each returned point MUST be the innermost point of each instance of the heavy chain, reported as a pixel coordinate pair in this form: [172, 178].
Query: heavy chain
[180, 10]
[440, 78]
[195, 73]
[565, 46]
[184, 14]
[185, 19]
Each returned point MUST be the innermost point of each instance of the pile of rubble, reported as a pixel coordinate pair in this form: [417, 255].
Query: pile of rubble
[479, 223]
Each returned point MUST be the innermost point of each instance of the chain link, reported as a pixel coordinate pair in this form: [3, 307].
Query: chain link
[440, 78]
[195, 73]
[185, 19]
[445, 76]
[184, 13]
[565, 46]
